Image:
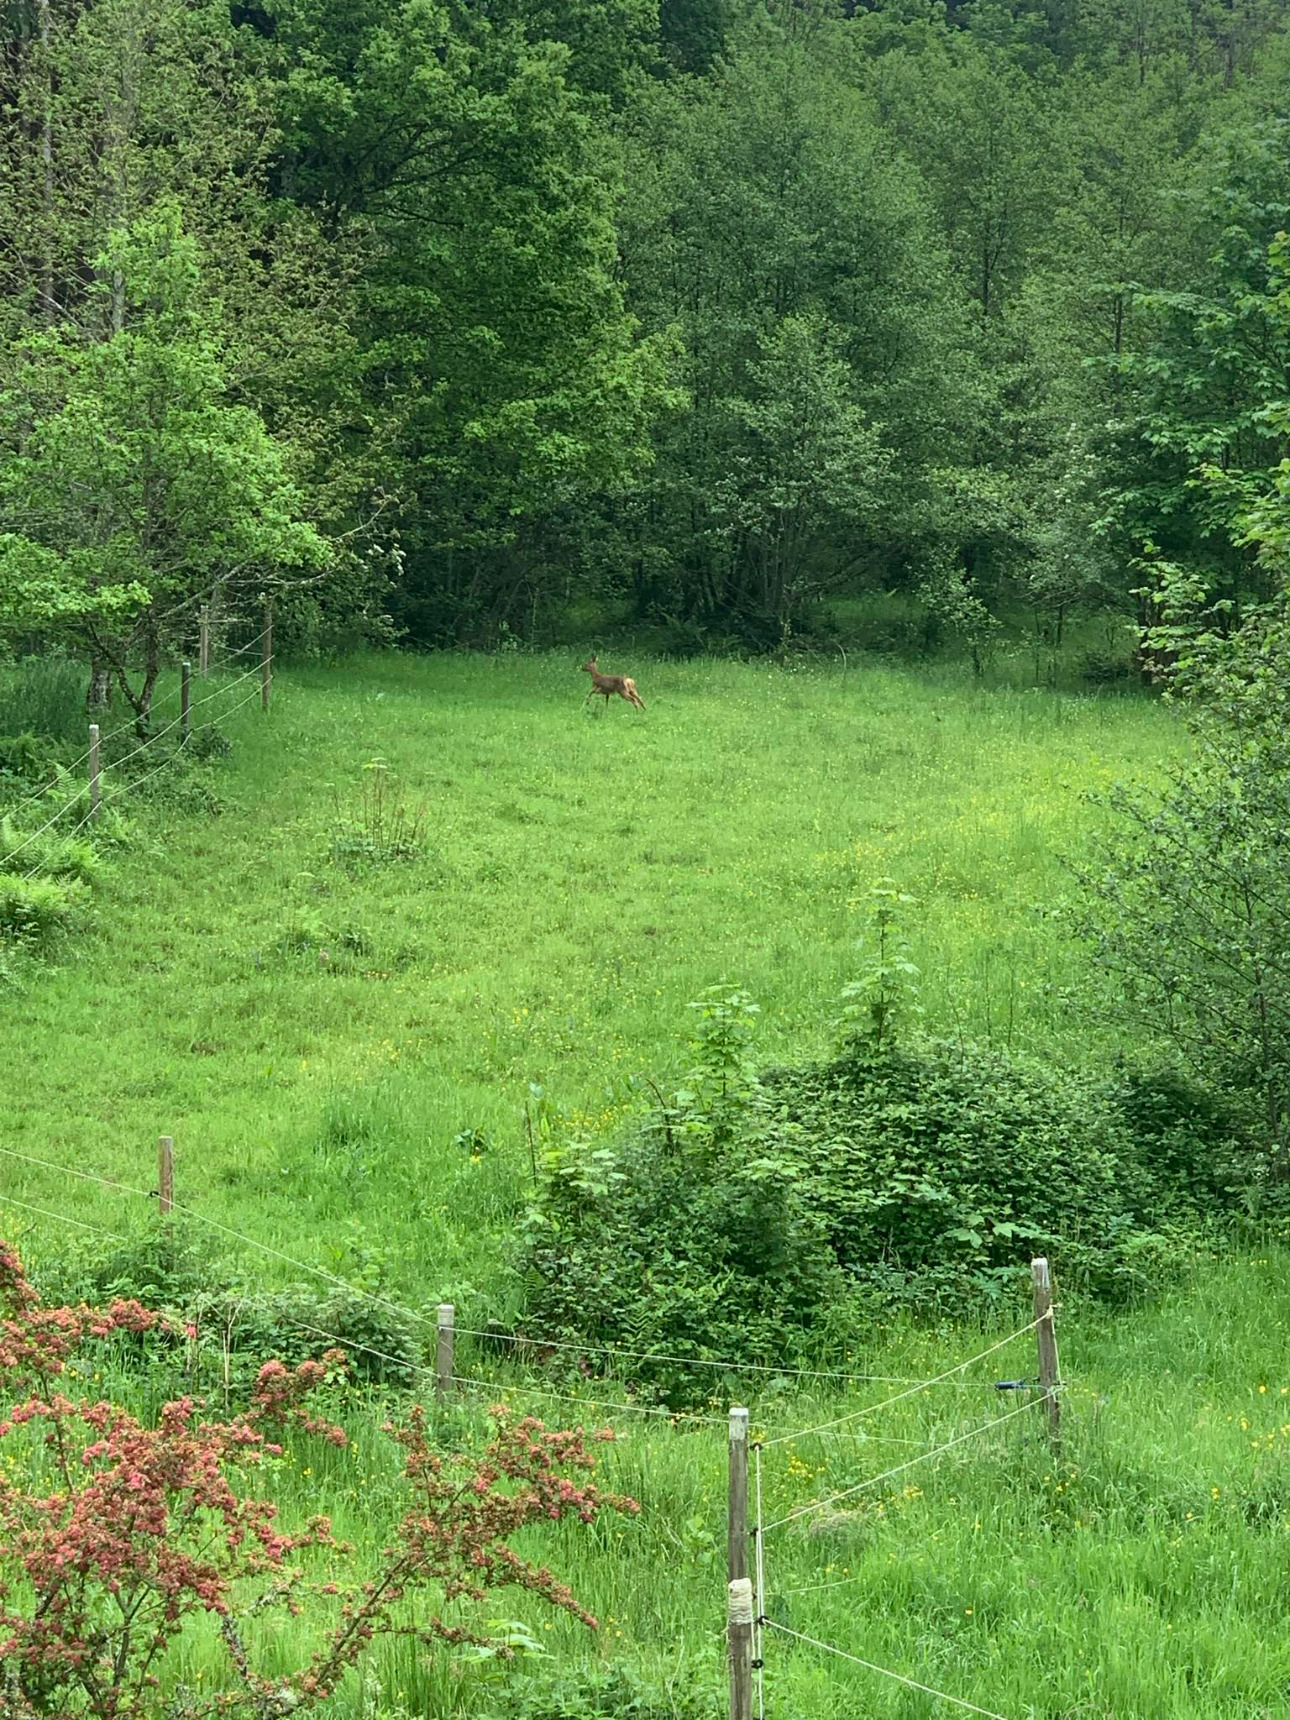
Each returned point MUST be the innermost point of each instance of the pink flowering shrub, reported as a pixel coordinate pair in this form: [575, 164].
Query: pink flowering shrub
[114, 1536]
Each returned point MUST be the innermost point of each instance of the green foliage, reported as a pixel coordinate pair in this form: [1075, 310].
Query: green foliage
[685, 1237]
[614, 1693]
[877, 1006]
[27, 759]
[910, 1172]
[940, 1169]
[138, 486]
[49, 853]
[208, 743]
[1187, 912]
[380, 827]
[234, 1327]
[38, 912]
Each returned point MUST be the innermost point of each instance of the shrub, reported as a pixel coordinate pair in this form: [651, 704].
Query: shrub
[37, 911]
[233, 1329]
[238, 1331]
[51, 854]
[208, 743]
[1187, 912]
[754, 1208]
[941, 1167]
[119, 1536]
[28, 758]
[692, 1235]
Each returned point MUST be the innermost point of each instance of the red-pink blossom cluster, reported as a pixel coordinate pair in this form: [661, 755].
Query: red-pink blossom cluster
[117, 1534]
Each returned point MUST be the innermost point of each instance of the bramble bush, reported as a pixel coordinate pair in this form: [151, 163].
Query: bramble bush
[116, 1536]
[756, 1210]
[232, 1328]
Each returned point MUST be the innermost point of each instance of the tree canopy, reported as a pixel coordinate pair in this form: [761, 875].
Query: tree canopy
[709, 312]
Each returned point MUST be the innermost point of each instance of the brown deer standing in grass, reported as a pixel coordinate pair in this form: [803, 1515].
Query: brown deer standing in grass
[608, 685]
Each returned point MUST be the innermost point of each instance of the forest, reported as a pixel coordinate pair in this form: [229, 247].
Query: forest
[447, 323]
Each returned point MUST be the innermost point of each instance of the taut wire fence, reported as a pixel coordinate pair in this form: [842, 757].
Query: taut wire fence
[750, 1623]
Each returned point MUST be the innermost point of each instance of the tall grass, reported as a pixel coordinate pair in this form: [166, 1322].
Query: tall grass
[44, 697]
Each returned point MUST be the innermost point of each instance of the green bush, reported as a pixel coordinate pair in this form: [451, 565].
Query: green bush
[240, 1330]
[235, 1328]
[49, 853]
[755, 1209]
[208, 743]
[692, 1235]
[26, 759]
[37, 911]
[943, 1168]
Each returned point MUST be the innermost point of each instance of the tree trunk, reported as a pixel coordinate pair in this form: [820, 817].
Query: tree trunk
[98, 695]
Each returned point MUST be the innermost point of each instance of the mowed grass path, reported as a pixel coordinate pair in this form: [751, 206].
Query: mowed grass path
[315, 1039]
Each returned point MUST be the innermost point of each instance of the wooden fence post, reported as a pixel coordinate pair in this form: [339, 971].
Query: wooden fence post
[443, 1362]
[204, 642]
[185, 702]
[740, 1591]
[96, 793]
[739, 1628]
[266, 662]
[737, 1520]
[165, 1174]
[1046, 1343]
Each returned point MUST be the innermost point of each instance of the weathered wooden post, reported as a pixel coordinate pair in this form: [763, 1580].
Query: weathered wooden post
[185, 702]
[740, 1633]
[444, 1368]
[737, 1519]
[204, 642]
[1046, 1343]
[96, 792]
[740, 1592]
[165, 1174]
[266, 661]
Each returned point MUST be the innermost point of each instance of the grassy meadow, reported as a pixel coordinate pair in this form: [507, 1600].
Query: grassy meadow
[343, 1053]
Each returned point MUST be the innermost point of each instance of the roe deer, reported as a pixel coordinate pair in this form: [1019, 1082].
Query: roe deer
[608, 685]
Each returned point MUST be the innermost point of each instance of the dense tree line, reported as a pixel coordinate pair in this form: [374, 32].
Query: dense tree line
[442, 315]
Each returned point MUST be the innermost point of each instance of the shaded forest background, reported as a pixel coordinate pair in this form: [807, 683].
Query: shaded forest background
[450, 322]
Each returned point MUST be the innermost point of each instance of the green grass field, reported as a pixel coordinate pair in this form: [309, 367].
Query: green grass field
[343, 1056]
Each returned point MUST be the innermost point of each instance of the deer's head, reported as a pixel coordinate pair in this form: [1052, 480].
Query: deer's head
[589, 667]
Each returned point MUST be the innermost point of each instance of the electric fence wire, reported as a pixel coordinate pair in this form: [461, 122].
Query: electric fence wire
[402, 1309]
[872, 1409]
[671, 1415]
[883, 1671]
[539, 1342]
[60, 1217]
[40, 793]
[142, 747]
[900, 1468]
[402, 1362]
[520, 1386]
